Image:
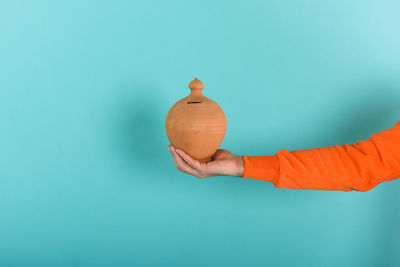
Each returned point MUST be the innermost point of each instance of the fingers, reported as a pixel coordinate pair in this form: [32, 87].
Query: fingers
[186, 163]
[194, 164]
[180, 164]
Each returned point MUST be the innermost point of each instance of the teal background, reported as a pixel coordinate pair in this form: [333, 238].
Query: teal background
[86, 178]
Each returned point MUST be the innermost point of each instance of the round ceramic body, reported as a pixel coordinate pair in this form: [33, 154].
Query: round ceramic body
[196, 124]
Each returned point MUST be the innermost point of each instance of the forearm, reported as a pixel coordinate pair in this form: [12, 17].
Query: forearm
[359, 166]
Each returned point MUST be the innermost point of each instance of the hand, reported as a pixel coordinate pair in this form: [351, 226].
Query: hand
[222, 162]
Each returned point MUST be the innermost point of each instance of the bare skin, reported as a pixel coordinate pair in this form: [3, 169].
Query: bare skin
[222, 163]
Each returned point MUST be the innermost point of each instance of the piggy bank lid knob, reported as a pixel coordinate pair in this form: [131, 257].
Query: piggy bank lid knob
[196, 86]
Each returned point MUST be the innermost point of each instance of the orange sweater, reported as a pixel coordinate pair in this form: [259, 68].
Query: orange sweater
[359, 166]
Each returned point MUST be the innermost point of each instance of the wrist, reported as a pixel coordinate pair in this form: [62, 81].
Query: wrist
[239, 166]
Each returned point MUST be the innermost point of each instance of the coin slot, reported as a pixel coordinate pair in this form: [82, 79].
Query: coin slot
[193, 102]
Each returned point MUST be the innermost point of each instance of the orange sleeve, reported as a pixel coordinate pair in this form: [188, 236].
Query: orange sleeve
[360, 166]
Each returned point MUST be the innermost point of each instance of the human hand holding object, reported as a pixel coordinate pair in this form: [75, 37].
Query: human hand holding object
[222, 163]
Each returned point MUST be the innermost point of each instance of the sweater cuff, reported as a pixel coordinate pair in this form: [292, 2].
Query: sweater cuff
[264, 168]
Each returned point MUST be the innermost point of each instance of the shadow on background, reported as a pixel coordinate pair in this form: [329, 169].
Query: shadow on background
[141, 140]
[142, 145]
[375, 108]
[368, 110]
